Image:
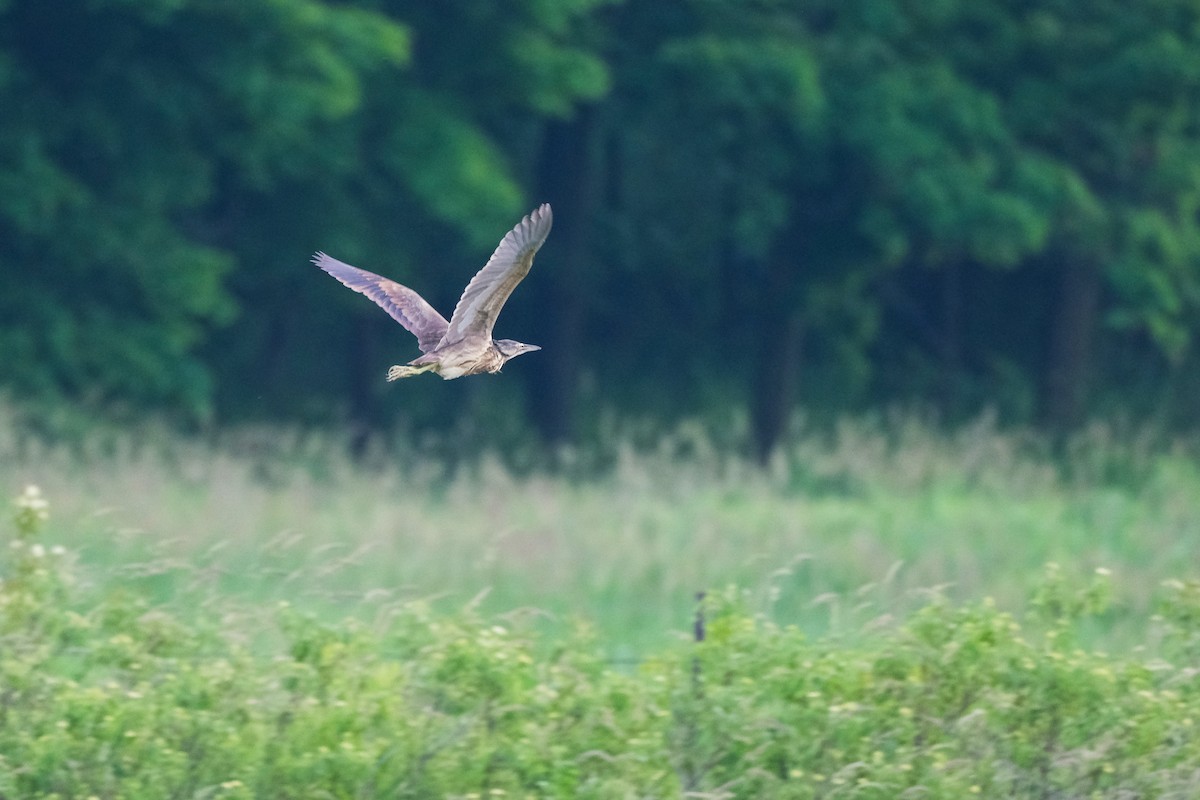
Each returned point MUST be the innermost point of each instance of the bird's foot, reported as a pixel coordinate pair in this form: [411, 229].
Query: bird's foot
[397, 372]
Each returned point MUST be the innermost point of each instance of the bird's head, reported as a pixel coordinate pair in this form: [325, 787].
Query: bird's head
[510, 349]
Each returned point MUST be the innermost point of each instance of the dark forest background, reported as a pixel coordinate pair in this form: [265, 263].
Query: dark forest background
[759, 206]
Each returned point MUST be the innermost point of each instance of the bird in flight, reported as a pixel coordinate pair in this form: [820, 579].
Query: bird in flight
[464, 345]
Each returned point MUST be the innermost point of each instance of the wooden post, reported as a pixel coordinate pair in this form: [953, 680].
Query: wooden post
[698, 637]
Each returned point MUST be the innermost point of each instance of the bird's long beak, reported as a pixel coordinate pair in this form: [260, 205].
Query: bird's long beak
[529, 348]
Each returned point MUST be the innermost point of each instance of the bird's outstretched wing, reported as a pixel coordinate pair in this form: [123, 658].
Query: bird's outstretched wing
[406, 306]
[485, 295]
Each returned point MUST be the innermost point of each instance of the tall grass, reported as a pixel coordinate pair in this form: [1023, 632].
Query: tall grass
[847, 525]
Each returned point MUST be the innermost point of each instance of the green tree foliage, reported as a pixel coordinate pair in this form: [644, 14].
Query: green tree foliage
[853, 149]
[1104, 101]
[418, 184]
[123, 125]
[841, 144]
[843, 201]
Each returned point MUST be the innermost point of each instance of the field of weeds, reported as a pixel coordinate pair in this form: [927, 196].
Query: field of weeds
[849, 527]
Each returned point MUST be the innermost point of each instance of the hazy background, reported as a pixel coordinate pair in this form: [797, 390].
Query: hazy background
[759, 206]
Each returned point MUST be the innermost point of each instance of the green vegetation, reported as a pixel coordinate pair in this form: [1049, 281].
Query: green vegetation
[837, 203]
[481, 588]
[119, 698]
[845, 527]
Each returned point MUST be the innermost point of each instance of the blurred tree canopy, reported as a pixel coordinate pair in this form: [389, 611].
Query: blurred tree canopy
[758, 204]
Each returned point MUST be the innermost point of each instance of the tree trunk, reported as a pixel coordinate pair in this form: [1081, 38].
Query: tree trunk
[1068, 368]
[775, 381]
[777, 367]
[951, 344]
[569, 182]
[361, 367]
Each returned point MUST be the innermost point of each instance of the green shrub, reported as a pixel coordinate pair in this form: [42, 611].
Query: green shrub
[112, 697]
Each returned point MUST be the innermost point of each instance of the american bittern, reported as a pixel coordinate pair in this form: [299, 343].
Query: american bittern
[464, 345]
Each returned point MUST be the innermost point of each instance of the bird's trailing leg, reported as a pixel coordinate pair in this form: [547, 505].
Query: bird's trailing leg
[397, 372]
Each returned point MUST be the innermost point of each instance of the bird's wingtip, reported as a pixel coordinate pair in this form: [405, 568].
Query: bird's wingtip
[540, 214]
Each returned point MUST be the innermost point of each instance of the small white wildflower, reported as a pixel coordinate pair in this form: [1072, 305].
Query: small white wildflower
[37, 551]
[31, 500]
[58, 550]
[1103, 572]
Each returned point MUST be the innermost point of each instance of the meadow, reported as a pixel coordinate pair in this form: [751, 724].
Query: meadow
[849, 524]
[891, 611]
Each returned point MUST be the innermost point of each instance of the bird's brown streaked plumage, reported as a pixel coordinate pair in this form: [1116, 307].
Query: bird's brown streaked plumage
[402, 303]
[464, 345]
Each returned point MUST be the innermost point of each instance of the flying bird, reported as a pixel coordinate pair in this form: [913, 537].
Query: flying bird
[464, 345]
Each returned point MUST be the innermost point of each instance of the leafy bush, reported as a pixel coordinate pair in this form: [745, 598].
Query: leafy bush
[113, 697]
